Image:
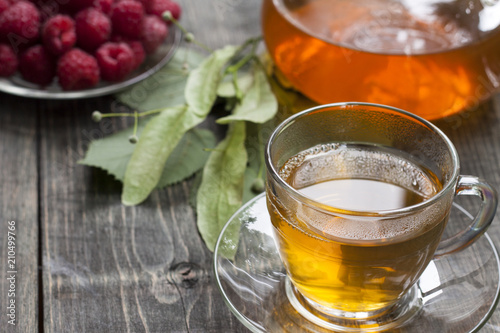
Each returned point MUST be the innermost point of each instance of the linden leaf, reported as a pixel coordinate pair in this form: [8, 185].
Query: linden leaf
[193, 188]
[158, 139]
[256, 136]
[166, 87]
[221, 189]
[189, 156]
[258, 104]
[251, 173]
[113, 153]
[164, 131]
[203, 82]
[226, 88]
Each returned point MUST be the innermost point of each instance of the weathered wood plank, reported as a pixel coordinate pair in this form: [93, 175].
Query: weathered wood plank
[476, 135]
[109, 267]
[18, 203]
[113, 268]
[217, 23]
[145, 269]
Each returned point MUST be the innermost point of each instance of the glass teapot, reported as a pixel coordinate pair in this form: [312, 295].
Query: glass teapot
[434, 58]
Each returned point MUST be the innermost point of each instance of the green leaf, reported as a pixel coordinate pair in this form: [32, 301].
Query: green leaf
[165, 88]
[221, 189]
[158, 139]
[188, 156]
[251, 173]
[164, 131]
[226, 87]
[193, 189]
[258, 105]
[113, 153]
[256, 137]
[202, 83]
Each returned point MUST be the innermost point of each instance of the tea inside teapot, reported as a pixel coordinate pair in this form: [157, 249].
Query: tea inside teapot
[431, 57]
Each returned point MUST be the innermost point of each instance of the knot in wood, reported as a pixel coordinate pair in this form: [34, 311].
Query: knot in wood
[186, 274]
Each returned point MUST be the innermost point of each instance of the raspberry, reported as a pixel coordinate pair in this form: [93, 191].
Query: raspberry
[39, 31]
[158, 7]
[8, 61]
[77, 69]
[139, 53]
[116, 61]
[145, 3]
[136, 46]
[154, 31]
[20, 24]
[4, 4]
[47, 10]
[58, 34]
[93, 28]
[37, 65]
[127, 16]
[103, 6]
[74, 6]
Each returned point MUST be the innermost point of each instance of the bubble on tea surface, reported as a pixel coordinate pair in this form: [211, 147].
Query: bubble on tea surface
[346, 162]
[335, 161]
[366, 230]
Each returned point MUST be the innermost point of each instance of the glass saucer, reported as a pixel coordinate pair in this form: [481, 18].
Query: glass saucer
[459, 292]
[15, 85]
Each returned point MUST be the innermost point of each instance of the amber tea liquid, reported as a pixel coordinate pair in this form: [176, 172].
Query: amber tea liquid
[432, 58]
[363, 265]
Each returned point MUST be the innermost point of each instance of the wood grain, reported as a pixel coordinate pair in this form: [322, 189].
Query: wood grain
[19, 203]
[110, 268]
[113, 268]
[107, 267]
[476, 135]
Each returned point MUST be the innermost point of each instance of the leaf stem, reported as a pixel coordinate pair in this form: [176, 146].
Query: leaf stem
[247, 57]
[135, 114]
[238, 92]
[189, 35]
[109, 115]
[136, 121]
[233, 69]
[150, 112]
[258, 61]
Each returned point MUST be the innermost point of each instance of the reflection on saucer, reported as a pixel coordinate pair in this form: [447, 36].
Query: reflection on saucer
[459, 292]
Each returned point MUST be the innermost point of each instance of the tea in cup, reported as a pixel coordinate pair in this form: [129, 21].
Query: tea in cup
[359, 196]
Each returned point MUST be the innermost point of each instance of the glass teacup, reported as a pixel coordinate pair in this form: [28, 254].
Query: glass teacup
[359, 196]
[433, 58]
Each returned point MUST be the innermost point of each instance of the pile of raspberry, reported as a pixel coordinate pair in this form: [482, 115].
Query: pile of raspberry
[80, 42]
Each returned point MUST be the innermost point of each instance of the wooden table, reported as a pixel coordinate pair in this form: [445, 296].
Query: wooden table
[85, 262]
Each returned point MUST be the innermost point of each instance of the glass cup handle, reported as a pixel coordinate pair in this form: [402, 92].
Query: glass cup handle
[470, 185]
